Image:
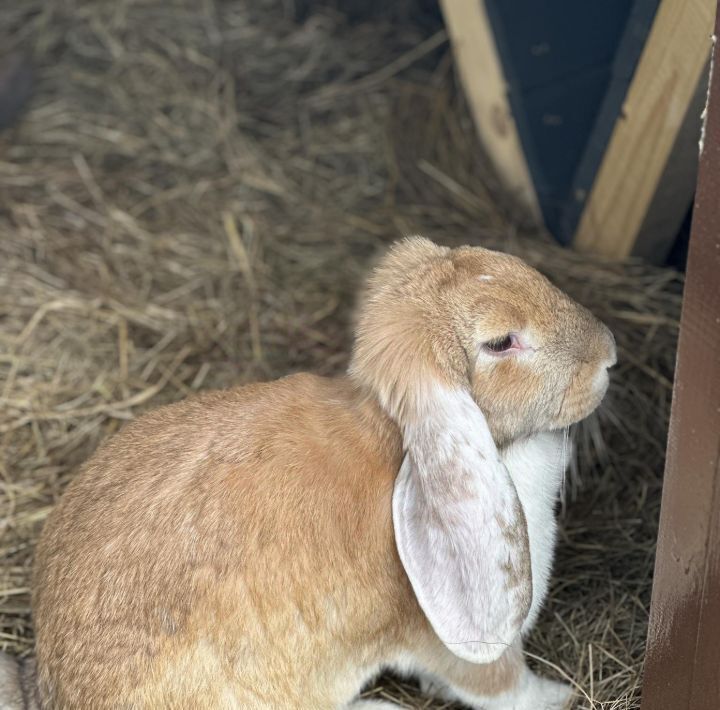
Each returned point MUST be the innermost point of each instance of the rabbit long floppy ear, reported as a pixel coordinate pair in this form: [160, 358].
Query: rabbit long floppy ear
[460, 530]
[459, 525]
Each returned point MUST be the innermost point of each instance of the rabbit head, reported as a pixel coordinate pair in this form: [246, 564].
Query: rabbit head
[469, 349]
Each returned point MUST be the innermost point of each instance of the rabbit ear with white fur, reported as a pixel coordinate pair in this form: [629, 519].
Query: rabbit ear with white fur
[460, 530]
[459, 525]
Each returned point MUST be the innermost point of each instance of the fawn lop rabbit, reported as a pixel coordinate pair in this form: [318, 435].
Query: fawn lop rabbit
[275, 545]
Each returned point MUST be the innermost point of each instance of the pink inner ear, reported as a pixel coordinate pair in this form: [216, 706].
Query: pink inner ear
[460, 531]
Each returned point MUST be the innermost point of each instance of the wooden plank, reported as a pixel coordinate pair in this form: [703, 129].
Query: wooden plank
[682, 667]
[673, 197]
[667, 75]
[485, 86]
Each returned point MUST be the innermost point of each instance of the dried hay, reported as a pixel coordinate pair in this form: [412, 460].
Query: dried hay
[191, 201]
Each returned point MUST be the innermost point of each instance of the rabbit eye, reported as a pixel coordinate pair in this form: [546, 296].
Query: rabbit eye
[501, 345]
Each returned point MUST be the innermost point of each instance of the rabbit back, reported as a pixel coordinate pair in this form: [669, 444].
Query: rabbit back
[230, 546]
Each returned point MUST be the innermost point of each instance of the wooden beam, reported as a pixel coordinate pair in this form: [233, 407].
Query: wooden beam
[485, 86]
[682, 666]
[666, 78]
[673, 196]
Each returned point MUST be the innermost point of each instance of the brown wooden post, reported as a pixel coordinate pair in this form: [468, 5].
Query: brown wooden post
[682, 666]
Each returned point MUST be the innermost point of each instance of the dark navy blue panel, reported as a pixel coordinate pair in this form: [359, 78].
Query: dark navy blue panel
[550, 39]
[626, 60]
[568, 64]
[560, 117]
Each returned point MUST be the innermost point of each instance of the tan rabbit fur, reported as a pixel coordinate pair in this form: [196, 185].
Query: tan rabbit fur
[237, 549]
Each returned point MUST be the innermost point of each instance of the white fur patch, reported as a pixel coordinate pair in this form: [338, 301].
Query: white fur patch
[11, 696]
[537, 465]
[531, 692]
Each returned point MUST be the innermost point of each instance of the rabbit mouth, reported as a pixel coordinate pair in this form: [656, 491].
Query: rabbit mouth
[576, 406]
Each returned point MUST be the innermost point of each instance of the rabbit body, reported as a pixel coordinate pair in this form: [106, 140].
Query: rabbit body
[210, 556]
[277, 545]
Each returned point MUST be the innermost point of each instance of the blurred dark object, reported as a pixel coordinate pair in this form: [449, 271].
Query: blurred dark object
[677, 258]
[16, 80]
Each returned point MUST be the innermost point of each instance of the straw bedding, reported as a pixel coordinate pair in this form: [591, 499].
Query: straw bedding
[191, 201]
